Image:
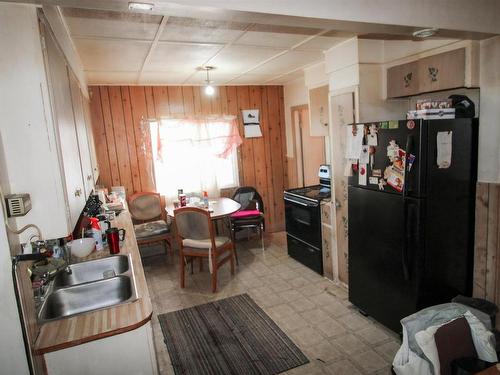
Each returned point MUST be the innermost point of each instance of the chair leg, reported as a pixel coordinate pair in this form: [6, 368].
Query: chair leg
[233, 252]
[182, 268]
[214, 274]
[261, 230]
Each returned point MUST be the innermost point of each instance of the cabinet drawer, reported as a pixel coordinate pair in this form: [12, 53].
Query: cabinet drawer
[442, 72]
[402, 80]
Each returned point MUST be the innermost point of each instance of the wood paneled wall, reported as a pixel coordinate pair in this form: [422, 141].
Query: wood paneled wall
[123, 144]
[487, 244]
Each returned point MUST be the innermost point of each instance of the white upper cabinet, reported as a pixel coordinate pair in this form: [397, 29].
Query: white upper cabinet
[318, 111]
[90, 137]
[82, 135]
[64, 119]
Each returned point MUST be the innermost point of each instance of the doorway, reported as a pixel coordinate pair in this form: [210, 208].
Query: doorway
[310, 151]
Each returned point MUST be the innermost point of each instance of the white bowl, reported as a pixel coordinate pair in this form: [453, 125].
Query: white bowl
[82, 247]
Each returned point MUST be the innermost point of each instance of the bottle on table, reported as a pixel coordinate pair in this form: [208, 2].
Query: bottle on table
[205, 199]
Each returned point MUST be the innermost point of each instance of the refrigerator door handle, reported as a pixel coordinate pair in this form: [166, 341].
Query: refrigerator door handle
[408, 150]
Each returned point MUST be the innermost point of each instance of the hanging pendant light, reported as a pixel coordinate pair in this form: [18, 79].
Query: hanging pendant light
[209, 89]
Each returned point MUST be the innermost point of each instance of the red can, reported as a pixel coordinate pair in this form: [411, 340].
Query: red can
[182, 200]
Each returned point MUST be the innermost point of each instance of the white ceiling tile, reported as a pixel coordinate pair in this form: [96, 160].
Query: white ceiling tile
[82, 22]
[236, 59]
[179, 57]
[268, 39]
[194, 30]
[111, 78]
[321, 43]
[218, 77]
[252, 79]
[111, 55]
[286, 78]
[289, 61]
[162, 78]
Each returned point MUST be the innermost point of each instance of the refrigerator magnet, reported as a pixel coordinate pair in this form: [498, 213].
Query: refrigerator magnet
[373, 180]
[410, 124]
[376, 173]
[393, 124]
[381, 184]
[410, 161]
[396, 180]
[384, 125]
[362, 175]
[443, 140]
[364, 158]
[372, 135]
[392, 150]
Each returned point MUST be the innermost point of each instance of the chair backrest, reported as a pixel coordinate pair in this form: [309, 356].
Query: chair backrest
[247, 196]
[145, 206]
[193, 223]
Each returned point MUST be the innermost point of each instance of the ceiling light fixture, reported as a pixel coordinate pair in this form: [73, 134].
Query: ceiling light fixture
[140, 6]
[209, 89]
[425, 33]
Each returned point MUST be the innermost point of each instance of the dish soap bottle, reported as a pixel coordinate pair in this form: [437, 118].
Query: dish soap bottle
[95, 233]
[205, 199]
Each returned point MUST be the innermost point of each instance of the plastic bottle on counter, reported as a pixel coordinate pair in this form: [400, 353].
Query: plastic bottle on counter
[95, 233]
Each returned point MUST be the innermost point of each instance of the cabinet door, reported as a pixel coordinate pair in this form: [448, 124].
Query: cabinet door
[442, 72]
[402, 80]
[81, 132]
[66, 130]
[90, 137]
[318, 110]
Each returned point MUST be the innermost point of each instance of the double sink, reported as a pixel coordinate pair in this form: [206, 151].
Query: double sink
[88, 286]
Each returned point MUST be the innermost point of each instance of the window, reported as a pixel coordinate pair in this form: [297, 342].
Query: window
[195, 155]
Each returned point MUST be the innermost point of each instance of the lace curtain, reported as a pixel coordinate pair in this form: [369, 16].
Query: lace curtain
[195, 154]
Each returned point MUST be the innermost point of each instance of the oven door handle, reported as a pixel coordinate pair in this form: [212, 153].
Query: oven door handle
[301, 203]
[302, 221]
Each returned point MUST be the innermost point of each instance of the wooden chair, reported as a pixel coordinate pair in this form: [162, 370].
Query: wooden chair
[196, 237]
[150, 218]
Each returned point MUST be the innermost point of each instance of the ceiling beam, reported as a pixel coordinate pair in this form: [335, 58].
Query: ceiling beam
[304, 41]
[154, 43]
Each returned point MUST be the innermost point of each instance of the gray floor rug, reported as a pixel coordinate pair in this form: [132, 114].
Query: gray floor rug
[229, 336]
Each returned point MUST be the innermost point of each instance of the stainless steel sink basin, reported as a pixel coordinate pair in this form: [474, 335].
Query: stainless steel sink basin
[77, 299]
[92, 270]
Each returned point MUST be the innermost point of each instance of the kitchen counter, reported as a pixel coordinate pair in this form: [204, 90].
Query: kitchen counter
[95, 325]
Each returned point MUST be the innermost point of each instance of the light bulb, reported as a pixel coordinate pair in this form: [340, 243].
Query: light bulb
[209, 90]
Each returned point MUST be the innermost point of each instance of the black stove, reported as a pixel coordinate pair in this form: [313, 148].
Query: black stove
[315, 192]
[303, 221]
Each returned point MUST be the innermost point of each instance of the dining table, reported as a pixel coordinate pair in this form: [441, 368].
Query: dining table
[219, 207]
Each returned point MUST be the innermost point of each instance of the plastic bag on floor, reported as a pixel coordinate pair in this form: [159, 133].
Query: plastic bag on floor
[410, 360]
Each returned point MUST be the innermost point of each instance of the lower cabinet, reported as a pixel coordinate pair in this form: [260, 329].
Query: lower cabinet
[132, 352]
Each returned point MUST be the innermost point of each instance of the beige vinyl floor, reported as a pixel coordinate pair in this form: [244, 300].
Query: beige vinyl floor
[312, 310]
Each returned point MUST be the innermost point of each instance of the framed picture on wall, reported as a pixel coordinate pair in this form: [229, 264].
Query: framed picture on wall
[251, 123]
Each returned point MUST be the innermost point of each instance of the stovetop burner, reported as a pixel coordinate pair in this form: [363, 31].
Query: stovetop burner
[316, 192]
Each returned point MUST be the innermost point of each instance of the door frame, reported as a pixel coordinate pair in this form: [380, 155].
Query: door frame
[339, 182]
[297, 143]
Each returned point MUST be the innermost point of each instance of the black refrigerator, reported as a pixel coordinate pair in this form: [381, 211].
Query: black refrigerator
[411, 242]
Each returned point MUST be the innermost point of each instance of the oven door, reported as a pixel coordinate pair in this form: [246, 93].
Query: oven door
[303, 220]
